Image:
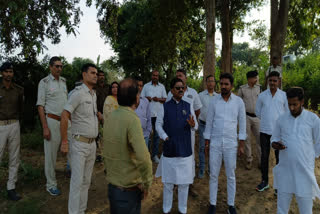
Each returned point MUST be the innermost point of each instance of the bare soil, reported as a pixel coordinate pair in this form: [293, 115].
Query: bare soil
[248, 200]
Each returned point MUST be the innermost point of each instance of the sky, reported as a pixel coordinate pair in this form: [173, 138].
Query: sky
[88, 43]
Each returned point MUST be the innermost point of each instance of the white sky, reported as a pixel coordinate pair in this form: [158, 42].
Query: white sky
[89, 44]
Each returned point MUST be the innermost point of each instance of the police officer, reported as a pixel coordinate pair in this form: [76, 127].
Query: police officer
[81, 109]
[249, 93]
[52, 97]
[11, 102]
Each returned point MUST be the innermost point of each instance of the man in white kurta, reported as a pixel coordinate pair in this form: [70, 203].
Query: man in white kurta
[191, 96]
[225, 112]
[174, 124]
[297, 136]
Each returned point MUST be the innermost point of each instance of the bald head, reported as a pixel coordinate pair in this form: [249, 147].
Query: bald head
[128, 92]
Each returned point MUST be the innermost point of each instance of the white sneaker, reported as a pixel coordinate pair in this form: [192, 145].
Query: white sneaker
[156, 159]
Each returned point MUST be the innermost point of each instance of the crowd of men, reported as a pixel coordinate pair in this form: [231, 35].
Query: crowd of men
[134, 117]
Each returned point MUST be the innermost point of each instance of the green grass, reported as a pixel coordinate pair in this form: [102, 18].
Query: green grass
[28, 206]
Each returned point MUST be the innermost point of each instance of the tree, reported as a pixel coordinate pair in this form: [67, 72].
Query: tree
[24, 24]
[302, 32]
[151, 34]
[112, 70]
[231, 14]
[209, 55]
[279, 22]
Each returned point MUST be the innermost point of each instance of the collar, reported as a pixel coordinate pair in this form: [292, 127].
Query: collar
[230, 98]
[207, 92]
[126, 108]
[3, 86]
[176, 102]
[269, 91]
[52, 77]
[301, 114]
[85, 87]
[152, 83]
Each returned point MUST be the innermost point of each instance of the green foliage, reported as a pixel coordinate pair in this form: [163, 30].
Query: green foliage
[32, 139]
[162, 35]
[25, 24]
[30, 174]
[112, 70]
[195, 84]
[305, 73]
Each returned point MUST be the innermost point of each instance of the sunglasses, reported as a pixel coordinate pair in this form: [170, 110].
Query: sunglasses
[58, 66]
[178, 88]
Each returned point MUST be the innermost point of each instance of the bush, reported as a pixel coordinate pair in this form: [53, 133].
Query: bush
[305, 73]
[32, 139]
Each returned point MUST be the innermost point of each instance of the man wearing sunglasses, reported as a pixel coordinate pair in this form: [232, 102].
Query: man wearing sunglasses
[174, 124]
[52, 97]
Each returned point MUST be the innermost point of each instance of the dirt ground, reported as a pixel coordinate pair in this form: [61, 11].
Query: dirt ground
[37, 200]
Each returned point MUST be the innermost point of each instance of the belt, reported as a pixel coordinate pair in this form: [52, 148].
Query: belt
[7, 122]
[130, 189]
[53, 116]
[203, 122]
[251, 115]
[84, 139]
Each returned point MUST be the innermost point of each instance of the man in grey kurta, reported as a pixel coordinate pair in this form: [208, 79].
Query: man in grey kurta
[52, 96]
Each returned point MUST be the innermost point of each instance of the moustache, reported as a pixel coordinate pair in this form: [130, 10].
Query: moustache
[180, 92]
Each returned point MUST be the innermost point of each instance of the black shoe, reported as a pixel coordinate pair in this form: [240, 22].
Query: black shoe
[99, 159]
[212, 209]
[232, 210]
[262, 186]
[13, 196]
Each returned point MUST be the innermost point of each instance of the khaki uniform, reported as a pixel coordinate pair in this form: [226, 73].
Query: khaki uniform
[11, 102]
[250, 96]
[83, 108]
[52, 95]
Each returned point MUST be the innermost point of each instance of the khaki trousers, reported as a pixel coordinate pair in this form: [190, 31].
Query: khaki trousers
[82, 157]
[11, 134]
[253, 125]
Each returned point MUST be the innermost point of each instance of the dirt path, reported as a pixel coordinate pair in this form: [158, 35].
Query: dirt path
[37, 200]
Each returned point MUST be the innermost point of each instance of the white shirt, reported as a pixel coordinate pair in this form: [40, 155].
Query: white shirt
[295, 171]
[222, 120]
[150, 90]
[205, 98]
[269, 108]
[191, 96]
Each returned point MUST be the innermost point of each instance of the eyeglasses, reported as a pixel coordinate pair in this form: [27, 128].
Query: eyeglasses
[58, 66]
[178, 88]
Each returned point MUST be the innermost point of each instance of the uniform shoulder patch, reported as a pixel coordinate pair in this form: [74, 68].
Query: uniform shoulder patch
[63, 79]
[46, 79]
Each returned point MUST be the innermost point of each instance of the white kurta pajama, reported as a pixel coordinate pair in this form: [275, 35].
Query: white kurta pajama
[295, 172]
[191, 96]
[221, 129]
[175, 170]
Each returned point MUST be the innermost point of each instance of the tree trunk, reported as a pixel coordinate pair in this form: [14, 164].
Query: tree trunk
[226, 32]
[209, 55]
[279, 23]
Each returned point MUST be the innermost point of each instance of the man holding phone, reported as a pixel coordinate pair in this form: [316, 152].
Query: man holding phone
[297, 136]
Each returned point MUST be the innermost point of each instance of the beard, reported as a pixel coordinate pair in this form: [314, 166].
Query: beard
[224, 91]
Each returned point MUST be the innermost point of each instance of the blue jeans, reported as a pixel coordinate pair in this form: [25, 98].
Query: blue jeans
[124, 202]
[202, 157]
[156, 139]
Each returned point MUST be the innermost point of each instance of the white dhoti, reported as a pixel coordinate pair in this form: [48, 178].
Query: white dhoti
[229, 156]
[175, 171]
[193, 141]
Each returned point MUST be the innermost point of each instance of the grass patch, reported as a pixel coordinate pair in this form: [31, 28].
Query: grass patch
[30, 174]
[32, 139]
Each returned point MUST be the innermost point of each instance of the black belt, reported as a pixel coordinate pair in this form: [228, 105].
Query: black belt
[203, 122]
[251, 115]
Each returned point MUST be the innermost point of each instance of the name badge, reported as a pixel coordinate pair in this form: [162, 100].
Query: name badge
[190, 96]
[88, 102]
